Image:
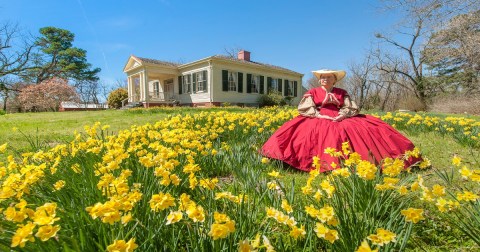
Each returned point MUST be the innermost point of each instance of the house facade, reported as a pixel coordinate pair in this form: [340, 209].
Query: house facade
[211, 81]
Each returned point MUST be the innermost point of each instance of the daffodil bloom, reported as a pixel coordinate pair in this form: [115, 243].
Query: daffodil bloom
[22, 235]
[272, 185]
[161, 201]
[222, 226]
[456, 160]
[467, 196]
[465, 172]
[286, 206]
[267, 244]
[59, 185]
[438, 190]
[382, 237]
[364, 247]
[196, 213]
[174, 217]
[413, 215]
[46, 232]
[244, 246]
[298, 232]
[122, 246]
[3, 147]
[256, 241]
[331, 235]
[274, 174]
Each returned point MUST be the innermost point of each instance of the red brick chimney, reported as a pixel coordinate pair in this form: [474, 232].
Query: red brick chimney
[243, 55]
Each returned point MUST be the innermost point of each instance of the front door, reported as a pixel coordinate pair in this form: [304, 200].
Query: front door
[168, 89]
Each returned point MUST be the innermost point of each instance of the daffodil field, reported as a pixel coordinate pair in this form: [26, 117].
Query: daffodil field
[196, 182]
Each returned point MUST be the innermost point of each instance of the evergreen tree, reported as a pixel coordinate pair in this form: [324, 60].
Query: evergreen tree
[58, 58]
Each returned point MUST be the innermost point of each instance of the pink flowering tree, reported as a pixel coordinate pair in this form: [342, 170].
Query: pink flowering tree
[47, 95]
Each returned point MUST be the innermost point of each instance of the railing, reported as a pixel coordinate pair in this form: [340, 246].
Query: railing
[134, 98]
[153, 97]
[161, 96]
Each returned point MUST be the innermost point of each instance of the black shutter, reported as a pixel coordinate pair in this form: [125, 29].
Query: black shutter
[295, 88]
[269, 84]
[249, 83]
[205, 78]
[180, 84]
[240, 83]
[224, 80]
[285, 88]
[280, 83]
[194, 81]
[262, 84]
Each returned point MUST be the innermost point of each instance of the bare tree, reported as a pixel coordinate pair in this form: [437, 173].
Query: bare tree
[420, 19]
[88, 91]
[361, 80]
[232, 52]
[15, 52]
[312, 82]
[8, 91]
[453, 52]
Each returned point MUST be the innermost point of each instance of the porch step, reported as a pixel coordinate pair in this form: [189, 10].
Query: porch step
[132, 105]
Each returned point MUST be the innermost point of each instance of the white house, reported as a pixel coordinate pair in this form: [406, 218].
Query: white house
[210, 81]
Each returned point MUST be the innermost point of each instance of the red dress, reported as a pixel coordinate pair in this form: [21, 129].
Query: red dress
[297, 141]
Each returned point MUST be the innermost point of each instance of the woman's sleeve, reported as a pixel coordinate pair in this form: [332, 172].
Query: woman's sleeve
[307, 107]
[349, 107]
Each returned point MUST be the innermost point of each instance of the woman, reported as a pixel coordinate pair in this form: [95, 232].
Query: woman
[328, 117]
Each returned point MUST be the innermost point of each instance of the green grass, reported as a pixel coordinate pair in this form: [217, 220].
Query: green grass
[54, 127]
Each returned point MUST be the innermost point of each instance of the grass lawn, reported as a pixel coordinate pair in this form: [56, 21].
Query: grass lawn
[54, 127]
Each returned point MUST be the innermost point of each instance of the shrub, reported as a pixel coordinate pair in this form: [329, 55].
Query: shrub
[2, 112]
[116, 97]
[272, 98]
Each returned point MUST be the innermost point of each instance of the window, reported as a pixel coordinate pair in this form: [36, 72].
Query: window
[255, 82]
[187, 81]
[274, 86]
[201, 81]
[290, 88]
[156, 89]
[232, 81]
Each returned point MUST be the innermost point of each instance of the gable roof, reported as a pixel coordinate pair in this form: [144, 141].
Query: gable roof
[135, 61]
[156, 62]
[253, 63]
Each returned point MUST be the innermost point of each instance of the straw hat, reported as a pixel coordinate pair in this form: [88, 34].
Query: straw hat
[339, 74]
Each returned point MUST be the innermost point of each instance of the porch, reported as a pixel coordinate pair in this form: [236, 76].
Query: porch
[150, 83]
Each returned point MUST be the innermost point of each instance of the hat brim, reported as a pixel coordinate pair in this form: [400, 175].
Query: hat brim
[339, 74]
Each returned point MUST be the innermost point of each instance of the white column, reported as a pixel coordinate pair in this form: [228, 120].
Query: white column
[146, 88]
[139, 94]
[129, 88]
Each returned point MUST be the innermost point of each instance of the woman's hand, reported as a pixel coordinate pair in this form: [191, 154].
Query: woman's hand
[325, 117]
[339, 118]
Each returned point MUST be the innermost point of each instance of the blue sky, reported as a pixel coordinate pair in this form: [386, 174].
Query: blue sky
[298, 35]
